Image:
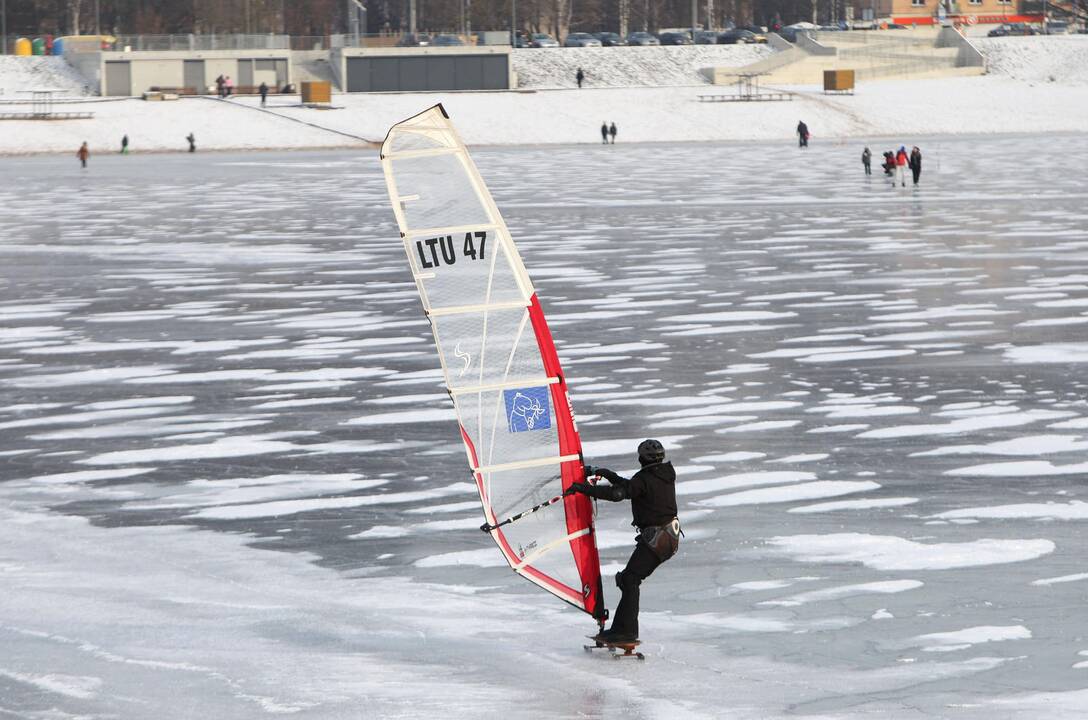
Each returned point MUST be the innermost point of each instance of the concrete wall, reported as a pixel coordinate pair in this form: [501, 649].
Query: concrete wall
[812, 47]
[89, 65]
[728, 75]
[968, 55]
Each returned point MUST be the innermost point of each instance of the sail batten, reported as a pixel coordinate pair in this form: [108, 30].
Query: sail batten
[498, 360]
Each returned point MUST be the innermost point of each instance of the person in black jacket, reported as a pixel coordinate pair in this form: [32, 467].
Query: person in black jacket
[802, 134]
[652, 492]
[915, 163]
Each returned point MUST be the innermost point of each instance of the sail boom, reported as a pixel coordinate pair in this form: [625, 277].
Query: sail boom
[462, 309]
[476, 389]
[456, 229]
[535, 462]
[430, 152]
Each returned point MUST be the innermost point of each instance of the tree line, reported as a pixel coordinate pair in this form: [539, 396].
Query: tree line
[325, 17]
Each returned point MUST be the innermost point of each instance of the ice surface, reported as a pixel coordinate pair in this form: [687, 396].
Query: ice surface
[190, 526]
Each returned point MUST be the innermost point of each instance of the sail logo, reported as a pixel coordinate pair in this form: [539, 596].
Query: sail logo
[463, 356]
[527, 409]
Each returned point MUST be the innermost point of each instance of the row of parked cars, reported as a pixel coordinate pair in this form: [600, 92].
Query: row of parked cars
[748, 34]
[1053, 27]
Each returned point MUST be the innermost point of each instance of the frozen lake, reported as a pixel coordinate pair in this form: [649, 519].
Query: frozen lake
[232, 485]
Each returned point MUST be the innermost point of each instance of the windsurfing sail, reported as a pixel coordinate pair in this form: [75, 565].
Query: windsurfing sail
[500, 364]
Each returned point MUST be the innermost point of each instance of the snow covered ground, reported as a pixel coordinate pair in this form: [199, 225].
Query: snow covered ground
[231, 486]
[1018, 96]
[1058, 59]
[18, 74]
[629, 66]
[671, 114]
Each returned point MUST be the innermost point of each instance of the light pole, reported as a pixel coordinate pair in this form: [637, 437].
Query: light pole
[513, 23]
[97, 18]
[4, 23]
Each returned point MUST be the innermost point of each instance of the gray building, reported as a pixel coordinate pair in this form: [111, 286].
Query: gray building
[423, 68]
[132, 73]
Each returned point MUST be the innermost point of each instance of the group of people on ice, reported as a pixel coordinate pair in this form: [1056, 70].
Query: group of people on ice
[896, 163]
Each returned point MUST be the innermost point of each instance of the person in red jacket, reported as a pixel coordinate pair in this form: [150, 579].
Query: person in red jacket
[901, 161]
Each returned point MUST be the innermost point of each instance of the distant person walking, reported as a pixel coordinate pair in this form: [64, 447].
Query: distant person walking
[604, 133]
[124, 145]
[220, 84]
[612, 132]
[867, 160]
[802, 134]
[580, 76]
[901, 161]
[83, 153]
[915, 163]
[228, 85]
[192, 142]
[263, 90]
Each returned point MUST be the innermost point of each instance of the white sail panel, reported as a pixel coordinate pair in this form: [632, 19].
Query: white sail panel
[498, 360]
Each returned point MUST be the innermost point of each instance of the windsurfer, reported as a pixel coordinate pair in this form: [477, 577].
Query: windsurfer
[652, 492]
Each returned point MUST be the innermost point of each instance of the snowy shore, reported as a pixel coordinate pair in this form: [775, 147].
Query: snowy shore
[1034, 86]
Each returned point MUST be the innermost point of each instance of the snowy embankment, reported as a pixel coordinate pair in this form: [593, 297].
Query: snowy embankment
[163, 126]
[1060, 59]
[629, 66]
[19, 74]
[1016, 97]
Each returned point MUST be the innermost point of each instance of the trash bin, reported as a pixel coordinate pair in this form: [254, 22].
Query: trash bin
[58, 46]
[37, 46]
[22, 47]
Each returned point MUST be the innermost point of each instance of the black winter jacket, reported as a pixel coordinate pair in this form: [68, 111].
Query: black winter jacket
[652, 492]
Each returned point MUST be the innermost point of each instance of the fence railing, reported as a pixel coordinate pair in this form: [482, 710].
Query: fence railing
[195, 42]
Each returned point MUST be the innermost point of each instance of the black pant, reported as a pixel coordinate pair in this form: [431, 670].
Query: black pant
[868, 169]
[642, 564]
[916, 172]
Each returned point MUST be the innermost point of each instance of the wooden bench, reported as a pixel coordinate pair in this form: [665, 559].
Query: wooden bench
[174, 90]
[46, 116]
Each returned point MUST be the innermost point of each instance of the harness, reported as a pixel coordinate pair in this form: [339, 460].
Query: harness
[663, 540]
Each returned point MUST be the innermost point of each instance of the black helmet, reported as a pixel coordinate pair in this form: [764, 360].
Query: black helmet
[650, 451]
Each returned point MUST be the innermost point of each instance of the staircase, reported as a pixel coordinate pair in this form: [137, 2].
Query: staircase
[872, 55]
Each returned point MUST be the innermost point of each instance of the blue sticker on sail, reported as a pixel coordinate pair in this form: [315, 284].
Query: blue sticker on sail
[527, 409]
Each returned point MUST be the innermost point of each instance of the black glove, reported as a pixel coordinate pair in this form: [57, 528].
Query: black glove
[591, 471]
[583, 488]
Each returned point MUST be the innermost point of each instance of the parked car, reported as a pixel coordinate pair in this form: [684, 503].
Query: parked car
[610, 39]
[706, 37]
[754, 29]
[642, 38]
[581, 40]
[411, 40]
[446, 41]
[543, 40]
[742, 37]
[1012, 29]
[787, 33]
[674, 38]
[522, 40]
[1058, 27]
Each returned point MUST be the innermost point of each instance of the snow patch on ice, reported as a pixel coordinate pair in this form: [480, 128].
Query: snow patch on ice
[890, 553]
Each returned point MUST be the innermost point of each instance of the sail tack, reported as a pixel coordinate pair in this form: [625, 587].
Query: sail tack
[498, 359]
